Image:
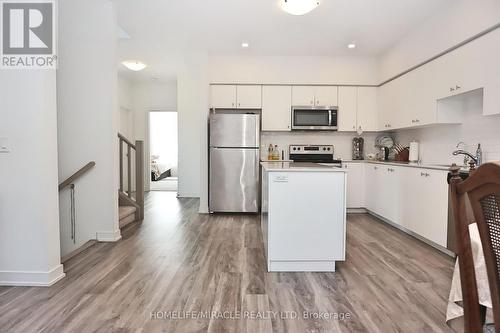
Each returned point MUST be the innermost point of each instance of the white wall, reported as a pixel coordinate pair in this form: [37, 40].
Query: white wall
[88, 118]
[192, 105]
[289, 70]
[125, 102]
[438, 142]
[29, 214]
[442, 31]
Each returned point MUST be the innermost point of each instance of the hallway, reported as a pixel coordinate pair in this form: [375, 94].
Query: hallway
[181, 263]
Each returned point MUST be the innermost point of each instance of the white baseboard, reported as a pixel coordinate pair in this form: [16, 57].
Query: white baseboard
[108, 236]
[356, 211]
[32, 278]
[301, 266]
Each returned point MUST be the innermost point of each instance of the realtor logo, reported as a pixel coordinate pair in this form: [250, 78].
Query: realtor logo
[28, 34]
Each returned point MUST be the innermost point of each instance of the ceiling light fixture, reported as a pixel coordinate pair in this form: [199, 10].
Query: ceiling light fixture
[135, 66]
[351, 46]
[298, 7]
[245, 44]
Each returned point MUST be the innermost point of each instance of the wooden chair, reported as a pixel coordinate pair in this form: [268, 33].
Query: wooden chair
[482, 189]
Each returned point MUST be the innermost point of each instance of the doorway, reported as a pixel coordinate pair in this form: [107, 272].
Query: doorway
[163, 150]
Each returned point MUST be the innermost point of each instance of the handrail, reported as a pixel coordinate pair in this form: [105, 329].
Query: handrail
[123, 138]
[76, 175]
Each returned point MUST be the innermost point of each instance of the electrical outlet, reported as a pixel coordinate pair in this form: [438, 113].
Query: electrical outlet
[4, 145]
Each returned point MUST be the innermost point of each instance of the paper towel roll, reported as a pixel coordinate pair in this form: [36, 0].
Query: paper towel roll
[414, 151]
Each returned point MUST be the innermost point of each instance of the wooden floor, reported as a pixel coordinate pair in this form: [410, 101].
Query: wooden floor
[181, 263]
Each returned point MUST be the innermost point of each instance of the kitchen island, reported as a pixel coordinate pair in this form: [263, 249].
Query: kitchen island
[303, 216]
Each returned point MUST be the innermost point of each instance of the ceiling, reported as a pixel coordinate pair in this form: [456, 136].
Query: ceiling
[162, 30]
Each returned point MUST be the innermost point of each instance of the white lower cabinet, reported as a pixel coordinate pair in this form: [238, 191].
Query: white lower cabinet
[413, 198]
[355, 184]
[427, 205]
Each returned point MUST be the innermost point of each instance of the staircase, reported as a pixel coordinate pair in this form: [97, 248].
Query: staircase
[131, 194]
[127, 215]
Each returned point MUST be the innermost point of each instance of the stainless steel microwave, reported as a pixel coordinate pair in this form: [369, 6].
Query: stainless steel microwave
[306, 118]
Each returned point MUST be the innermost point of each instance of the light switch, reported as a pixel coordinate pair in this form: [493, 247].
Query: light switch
[4, 145]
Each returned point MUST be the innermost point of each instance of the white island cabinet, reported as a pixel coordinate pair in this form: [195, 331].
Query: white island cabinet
[303, 216]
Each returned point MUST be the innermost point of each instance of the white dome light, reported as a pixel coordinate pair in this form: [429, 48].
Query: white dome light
[298, 7]
[135, 66]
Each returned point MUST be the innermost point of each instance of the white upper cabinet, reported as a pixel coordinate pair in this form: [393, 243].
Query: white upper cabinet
[303, 96]
[314, 96]
[326, 96]
[347, 108]
[223, 96]
[236, 97]
[367, 109]
[276, 108]
[249, 97]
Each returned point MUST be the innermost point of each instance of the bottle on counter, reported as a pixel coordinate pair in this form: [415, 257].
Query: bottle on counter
[276, 153]
[479, 155]
[270, 152]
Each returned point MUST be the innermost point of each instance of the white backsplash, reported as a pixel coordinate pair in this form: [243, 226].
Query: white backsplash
[342, 142]
[438, 142]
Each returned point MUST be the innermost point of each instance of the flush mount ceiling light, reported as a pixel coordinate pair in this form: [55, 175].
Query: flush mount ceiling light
[245, 44]
[298, 7]
[135, 66]
[351, 46]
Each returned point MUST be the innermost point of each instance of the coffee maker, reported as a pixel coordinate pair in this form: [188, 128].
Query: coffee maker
[357, 148]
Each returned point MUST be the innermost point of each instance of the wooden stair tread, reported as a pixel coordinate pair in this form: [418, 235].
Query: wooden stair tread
[125, 211]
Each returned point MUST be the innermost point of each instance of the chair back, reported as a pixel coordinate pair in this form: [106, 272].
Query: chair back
[482, 189]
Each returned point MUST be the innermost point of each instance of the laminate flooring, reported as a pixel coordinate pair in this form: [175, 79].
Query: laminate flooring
[180, 271]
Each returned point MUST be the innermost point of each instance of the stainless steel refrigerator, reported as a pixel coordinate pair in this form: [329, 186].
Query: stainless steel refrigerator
[234, 162]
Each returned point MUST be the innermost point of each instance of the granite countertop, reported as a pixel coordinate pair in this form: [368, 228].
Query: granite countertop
[301, 166]
[441, 167]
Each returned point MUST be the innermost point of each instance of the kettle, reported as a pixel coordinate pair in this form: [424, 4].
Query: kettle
[384, 153]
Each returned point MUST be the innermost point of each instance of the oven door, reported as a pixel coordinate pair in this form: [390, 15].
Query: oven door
[304, 118]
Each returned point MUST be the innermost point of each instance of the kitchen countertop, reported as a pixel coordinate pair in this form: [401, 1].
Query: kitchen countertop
[300, 166]
[405, 164]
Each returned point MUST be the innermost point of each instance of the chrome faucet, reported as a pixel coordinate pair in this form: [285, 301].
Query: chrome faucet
[477, 159]
[466, 157]
[466, 153]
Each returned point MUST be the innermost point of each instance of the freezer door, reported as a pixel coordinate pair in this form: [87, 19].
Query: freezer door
[234, 130]
[234, 180]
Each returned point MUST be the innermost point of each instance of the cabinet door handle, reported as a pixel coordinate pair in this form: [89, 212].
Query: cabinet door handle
[452, 89]
[354, 127]
[375, 168]
[424, 174]
[458, 87]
